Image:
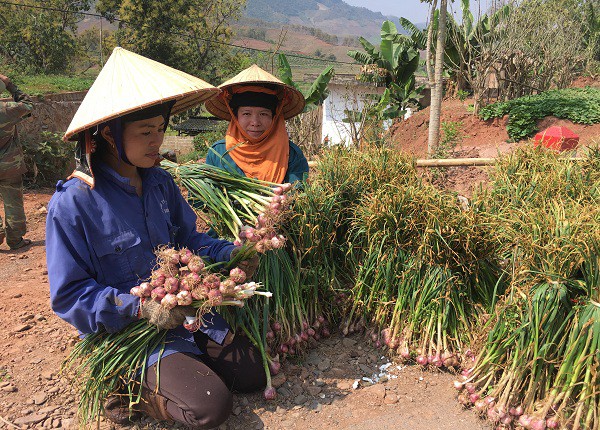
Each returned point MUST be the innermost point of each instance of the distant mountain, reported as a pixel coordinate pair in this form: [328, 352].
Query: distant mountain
[332, 16]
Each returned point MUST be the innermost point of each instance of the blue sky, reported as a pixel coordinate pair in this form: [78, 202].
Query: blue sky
[414, 10]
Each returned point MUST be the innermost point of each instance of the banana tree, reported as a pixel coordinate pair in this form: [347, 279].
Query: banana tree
[317, 93]
[467, 43]
[367, 124]
[304, 130]
[392, 64]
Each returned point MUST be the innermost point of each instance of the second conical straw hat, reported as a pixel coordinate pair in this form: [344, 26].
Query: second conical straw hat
[292, 98]
[130, 82]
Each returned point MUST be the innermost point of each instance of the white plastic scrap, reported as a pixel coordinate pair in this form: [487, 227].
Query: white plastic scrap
[355, 384]
[382, 375]
[384, 367]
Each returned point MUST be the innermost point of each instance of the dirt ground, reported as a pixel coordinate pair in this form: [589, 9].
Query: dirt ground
[318, 393]
[314, 394]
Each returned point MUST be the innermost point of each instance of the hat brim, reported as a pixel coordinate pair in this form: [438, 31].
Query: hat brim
[129, 82]
[182, 103]
[254, 75]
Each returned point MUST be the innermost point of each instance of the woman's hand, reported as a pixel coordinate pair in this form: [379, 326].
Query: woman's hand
[163, 318]
[249, 265]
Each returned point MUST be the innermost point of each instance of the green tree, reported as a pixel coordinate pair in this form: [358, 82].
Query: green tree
[539, 45]
[190, 35]
[40, 36]
[590, 21]
[392, 64]
[465, 42]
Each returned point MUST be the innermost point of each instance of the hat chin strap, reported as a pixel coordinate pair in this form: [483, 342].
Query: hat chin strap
[83, 165]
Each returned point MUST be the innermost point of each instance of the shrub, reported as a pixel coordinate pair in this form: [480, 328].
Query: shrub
[462, 95]
[203, 141]
[579, 105]
[47, 160]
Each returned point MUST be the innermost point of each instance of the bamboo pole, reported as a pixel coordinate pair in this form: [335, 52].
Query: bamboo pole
[451, 162]
[446, 162]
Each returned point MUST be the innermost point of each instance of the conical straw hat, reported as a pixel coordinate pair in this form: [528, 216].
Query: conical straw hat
[130, 82]
[294, 102]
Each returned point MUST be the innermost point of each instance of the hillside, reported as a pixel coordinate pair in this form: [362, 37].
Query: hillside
[325, 30]
[332, 16]
[298, 42]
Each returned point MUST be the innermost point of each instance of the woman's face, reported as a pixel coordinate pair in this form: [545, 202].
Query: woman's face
[142, 140]
[254, 120]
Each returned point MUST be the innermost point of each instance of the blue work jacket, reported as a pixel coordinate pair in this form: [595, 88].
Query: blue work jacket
[297, 164]
[100, 242]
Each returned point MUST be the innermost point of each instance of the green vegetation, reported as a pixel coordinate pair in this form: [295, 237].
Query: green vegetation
[42, 40]
[316, 93]
[504, 288]
[451, 136]
[47, 160]
[579, 105]
[281, 10]
[203, 141]
[180, 34]
[253, 33]
[49, 84]
[4, 374]
[462, 95]
[302, 128]
[393, 64]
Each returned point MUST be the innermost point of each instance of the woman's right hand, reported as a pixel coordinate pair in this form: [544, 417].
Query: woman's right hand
[163, 318]
[249, 265]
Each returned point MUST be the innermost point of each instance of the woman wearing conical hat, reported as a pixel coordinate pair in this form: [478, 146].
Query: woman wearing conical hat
[104, 224]
[256, 144]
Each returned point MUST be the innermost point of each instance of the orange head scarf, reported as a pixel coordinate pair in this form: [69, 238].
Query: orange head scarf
[267, 156]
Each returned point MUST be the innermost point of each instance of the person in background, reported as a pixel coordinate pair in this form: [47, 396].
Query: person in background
[105, 223]
[12, 165]
[257, 144]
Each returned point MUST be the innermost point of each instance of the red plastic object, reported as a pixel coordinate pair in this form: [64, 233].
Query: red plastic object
[558, 138]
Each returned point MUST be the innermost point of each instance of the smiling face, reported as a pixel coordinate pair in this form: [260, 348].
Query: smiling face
[254, 120]
[142, 140]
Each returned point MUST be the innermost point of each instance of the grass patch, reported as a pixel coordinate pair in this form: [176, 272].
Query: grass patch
[51, 84]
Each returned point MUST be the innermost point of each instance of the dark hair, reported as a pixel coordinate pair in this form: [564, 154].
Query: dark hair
[250, 98]
[116, 126]
[163, 110]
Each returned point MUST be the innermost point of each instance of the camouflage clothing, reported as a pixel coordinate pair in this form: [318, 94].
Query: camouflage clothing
[12, 165]
[11, 191]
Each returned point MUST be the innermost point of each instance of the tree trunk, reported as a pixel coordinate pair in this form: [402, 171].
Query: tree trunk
[429, 56]
[437, 88]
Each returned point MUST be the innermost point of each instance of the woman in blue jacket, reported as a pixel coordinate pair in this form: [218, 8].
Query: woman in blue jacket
[256, 144]
[103, 226]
